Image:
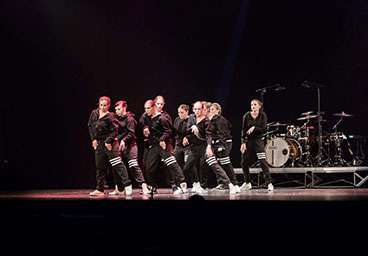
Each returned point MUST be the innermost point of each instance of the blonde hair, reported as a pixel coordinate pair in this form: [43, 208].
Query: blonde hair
[217, 106]
[260, 103]
[185, 107]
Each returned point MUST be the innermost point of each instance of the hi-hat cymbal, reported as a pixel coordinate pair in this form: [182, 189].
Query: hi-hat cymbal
[342, 114]
[306, 113]
[273, 124]
[307, 117]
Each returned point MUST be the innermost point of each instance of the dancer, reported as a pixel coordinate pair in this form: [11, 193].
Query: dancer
[252, 145]
[200, 140]
[160, 104]
[102, 127]
[156, 130]
[181, 149]
[128, 145]
[222, 141]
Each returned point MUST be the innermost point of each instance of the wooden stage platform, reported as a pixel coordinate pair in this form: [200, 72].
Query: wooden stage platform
[279, 194]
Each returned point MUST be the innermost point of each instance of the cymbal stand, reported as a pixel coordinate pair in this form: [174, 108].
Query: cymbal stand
[320, 149]
[307, 159]
[338, 159]
[313, 85]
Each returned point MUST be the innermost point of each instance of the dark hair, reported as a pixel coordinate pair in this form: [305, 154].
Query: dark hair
[159, 96]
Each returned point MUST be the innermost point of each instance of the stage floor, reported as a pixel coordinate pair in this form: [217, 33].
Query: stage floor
[286, 220]
[279, 194]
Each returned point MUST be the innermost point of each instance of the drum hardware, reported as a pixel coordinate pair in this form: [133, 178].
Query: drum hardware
[328, 161]
[269, 134]
[307, 113]
[273, 129]
[304, 140]
[337, 138]
[359, 143]
[276, 124]
[317, 86]
[292, 131]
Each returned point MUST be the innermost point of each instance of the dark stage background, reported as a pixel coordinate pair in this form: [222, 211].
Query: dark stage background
[58, 57]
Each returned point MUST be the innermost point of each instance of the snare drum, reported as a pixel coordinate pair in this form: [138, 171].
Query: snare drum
[280, 151]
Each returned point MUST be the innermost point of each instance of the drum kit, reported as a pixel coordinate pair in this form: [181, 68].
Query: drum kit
[297, 144]
[303, 143]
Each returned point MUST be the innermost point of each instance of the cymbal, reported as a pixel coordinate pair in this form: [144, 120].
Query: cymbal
[342, 114]
[306, 113]
[307, 117]
[316, 121]
[276, 124]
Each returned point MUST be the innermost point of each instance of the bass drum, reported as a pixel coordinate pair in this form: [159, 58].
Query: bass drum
[280, 151]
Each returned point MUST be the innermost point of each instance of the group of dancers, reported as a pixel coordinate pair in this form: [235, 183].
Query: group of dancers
[189, 148]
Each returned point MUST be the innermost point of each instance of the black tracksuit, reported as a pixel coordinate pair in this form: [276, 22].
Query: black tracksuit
[197, 146]
[159, 127]
[126, 132]
[104, 130]
[169, 144]
[255, 144]
[222, 145]
[180, 130]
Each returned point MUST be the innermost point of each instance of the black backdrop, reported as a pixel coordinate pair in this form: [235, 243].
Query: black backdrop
[58, 57]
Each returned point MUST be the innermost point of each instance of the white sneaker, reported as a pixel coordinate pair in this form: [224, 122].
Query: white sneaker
[270, 187]
[232, 189]
[200, 190]
[237, 188]
[128, 190]
[246, 186]
[194, 188]
[152, 190]
[177, 191]
[220, 188]
[97, 193]
[145, 189]
[116, 192]
[184, 187]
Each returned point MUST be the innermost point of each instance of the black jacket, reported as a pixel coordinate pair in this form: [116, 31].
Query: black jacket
[180, 130]
[126, 129]
[159, 127]
[205, 131]
[222, 129]
[103, 129]
[259, 123]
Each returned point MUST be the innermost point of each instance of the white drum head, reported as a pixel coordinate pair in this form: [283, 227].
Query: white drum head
[277, 152]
